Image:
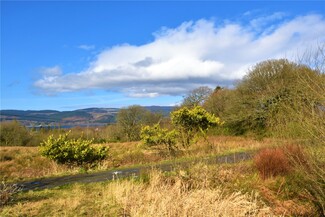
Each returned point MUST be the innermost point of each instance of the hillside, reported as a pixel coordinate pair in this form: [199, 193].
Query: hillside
[88, 116]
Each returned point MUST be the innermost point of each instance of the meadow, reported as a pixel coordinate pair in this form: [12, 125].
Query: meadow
[239, 189]
[26, 163]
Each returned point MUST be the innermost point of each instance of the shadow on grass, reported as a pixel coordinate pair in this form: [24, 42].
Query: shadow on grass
[31, 196]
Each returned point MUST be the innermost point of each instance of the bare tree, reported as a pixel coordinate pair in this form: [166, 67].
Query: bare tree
[130, 120]
[197, 96]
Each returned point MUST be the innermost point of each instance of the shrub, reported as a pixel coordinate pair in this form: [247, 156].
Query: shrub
[13, 134]
[156, 136]
[191, 122]
[71, 151]
[271, 162]
[129, 121]
[311, 177]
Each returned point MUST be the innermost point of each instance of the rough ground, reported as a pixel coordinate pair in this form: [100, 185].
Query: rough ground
[123, 173]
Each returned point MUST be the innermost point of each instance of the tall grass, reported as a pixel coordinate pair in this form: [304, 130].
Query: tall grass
[157, 195]
[7, 192]
[21, 163]
[174, 197]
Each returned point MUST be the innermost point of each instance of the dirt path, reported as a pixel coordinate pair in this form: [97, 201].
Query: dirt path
[122, 173]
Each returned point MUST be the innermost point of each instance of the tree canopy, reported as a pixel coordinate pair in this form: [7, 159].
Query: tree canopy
[269, 96]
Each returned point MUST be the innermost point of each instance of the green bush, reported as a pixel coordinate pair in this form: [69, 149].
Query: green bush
[155, 136]
[72, 151]
[192, 122]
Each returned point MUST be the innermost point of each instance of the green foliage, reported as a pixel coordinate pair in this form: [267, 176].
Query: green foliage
[155, 136]
[71, 151]
[309, 168]
[13, 134]
[192, 122]
[273, 98]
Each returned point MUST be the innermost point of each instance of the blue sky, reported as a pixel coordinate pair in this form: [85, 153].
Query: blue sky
[68, 55]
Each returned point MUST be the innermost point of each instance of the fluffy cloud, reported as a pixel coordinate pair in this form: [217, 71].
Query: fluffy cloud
[191, 55]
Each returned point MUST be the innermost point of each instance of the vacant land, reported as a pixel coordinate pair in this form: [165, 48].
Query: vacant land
[26, 163]
[200, 190]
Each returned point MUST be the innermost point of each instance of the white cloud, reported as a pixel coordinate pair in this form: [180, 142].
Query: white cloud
[86, 47]
[191, 55]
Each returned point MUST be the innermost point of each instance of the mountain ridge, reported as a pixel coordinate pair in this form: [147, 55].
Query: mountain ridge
[86, 116]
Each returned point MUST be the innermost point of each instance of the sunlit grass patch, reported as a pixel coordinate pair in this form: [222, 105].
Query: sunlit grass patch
[159, 195]
[159, 199]
[24, 163]
[21, 163]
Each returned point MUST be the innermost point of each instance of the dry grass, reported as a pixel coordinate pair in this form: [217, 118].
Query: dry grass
[199, 190]
[170, 197]
[21, 163]
[300, 189]
[161, 196]
[221, 144]
[130, 153]
[7, 192]
[283, 206]
[134, 153]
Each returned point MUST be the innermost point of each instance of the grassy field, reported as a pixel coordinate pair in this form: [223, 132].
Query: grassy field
[25, 163]
[202, 190]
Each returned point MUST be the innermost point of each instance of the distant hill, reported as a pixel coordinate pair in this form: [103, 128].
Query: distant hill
[80, 117]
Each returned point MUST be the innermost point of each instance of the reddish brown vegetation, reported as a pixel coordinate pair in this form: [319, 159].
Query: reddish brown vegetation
[271, 162]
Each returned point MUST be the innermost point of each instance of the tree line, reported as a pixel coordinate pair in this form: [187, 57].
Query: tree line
[276, 98]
